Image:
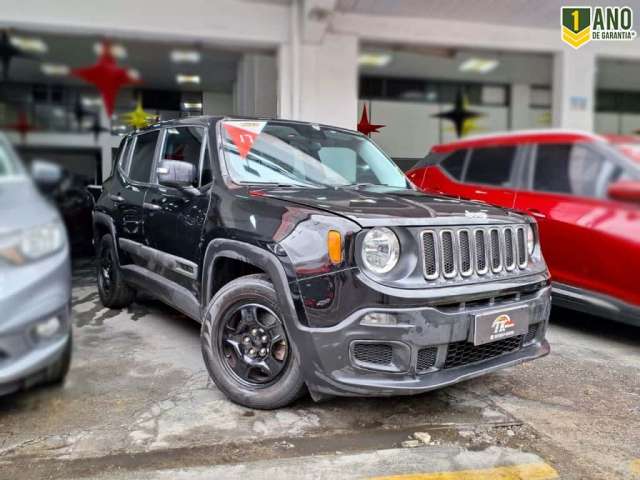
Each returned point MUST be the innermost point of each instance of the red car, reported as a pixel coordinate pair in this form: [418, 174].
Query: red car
[584, 191]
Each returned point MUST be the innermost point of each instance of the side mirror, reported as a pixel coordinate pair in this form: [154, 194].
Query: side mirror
[47, 175]
[625, 191]
[174, 173]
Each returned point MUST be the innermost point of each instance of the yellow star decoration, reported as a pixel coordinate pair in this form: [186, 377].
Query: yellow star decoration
[138, 118]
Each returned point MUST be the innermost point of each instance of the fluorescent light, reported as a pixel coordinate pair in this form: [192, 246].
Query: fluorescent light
[54, 69]
[134, 74]
[192, 105]
[478, 65]
[372, 59]
[117, 50]
[29, 44]
[185, 56]
[91, 101]
[181, 78]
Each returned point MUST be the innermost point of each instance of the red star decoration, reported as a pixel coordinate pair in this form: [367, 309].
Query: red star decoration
[107, 76]
[22, 126]
[365, 127]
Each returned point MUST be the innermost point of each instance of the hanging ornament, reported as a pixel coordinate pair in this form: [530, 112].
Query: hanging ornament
[365, 127]
[107, 76]
[8, 51]
[22, 126]
[138, 118]
[461, 117]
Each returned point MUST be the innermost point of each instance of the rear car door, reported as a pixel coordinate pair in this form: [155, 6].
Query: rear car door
[174, 217]
[490, 175]
[589, 241]
[129, 191]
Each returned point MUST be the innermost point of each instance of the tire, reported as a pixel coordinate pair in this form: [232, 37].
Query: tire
[57, 372]
[113, 291]
[252, 292]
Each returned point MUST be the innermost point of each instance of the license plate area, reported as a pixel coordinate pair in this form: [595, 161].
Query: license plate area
[500, 324]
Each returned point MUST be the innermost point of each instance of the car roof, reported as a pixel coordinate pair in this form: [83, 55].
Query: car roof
[208, 120]
[517, 138]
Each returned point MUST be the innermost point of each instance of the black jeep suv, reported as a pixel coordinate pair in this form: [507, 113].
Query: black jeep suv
[312, 262]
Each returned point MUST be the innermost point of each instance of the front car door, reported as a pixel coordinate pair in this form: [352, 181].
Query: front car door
[589, 241]
[174, 217]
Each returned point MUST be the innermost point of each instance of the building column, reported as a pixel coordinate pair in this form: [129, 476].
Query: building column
[319, 82]
[256, 86]
[520, 102]
[574, 78]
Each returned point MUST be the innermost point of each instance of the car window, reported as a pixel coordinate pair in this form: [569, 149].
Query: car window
[142, 156]
[123, 154]
[491, 165]
[573, 169]
[183, 144]
[454, 164]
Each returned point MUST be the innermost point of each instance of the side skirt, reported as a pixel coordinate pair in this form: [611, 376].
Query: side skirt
[169, 292]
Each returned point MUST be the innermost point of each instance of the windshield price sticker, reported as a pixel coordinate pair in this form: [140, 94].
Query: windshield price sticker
[243, 134]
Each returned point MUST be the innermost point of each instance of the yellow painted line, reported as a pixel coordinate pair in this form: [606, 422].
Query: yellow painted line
[529, 471]
[634, 466]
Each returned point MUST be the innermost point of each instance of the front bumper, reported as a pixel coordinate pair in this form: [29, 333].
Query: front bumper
[429, 348]
[29, 295]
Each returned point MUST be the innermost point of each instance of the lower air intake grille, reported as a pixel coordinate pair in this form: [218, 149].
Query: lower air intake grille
[531, 334]
[426, 358]
[375, 353]
[464, 353]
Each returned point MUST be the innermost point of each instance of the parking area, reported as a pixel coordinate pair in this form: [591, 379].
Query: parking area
[138, 403]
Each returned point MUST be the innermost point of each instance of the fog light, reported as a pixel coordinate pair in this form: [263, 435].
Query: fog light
[379, 318]
[48, 328]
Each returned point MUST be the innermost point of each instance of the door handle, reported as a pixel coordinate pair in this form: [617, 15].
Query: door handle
[536, 213]
[116, 198]
[151, 206]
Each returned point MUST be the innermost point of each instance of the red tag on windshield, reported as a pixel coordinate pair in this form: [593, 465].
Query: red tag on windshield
[243, 134]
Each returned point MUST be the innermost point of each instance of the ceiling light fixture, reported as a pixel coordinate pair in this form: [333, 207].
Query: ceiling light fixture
[479, 65]
[117, 50]
[184, 56]
[29, 44]
[54, 69]
[373, 59]
[192, 105]
[182, 78]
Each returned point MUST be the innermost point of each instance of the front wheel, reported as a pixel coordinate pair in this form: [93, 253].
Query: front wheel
[112, 289]
[246, 348]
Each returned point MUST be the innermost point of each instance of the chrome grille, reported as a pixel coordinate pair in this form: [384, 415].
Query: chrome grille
[463, 252]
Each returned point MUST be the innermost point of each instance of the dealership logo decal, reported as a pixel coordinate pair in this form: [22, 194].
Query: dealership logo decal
[502, 326]
[582, 24]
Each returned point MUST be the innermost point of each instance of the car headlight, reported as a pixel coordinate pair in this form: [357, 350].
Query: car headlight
[380, 250]
[33, 243]
[531, 240]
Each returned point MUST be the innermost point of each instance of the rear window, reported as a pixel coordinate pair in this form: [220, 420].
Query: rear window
[454, 164]
[491, 165]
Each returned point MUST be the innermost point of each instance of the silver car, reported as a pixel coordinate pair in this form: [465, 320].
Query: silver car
[35, 278]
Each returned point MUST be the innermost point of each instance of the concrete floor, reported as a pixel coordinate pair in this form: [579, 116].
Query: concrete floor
[138, 404]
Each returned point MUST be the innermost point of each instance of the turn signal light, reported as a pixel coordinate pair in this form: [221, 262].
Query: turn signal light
[334, 246]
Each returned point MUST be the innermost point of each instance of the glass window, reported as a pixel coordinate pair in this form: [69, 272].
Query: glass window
[142, 156]
[454, 163]
[184, 144]
[491, 165]
[305, 155]
[571, 169]
[207, 174]
[9, 164]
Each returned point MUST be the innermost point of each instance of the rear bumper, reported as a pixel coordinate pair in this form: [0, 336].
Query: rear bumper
[430, 347]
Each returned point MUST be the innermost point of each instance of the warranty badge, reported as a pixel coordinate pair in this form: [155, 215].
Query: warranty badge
[580, 25]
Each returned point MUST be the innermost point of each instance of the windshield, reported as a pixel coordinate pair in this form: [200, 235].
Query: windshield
[9, 165]
[304, 155]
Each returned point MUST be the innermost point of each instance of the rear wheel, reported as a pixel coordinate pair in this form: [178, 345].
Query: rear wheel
[113, 291]
[246, 348]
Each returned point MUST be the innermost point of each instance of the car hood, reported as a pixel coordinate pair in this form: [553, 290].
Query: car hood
[378, 206]
[22, 206]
